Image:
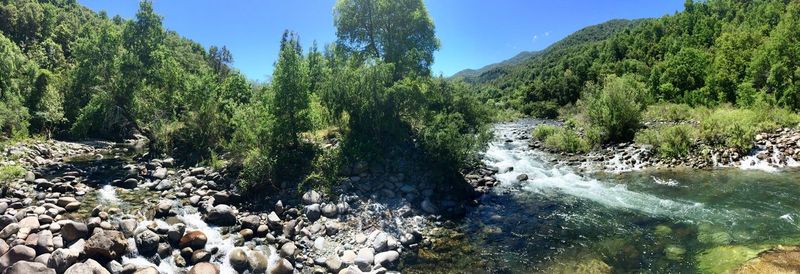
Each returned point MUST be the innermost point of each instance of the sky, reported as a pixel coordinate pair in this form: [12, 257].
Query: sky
[473, 33]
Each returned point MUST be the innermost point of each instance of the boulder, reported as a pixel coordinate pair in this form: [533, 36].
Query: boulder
[16, 254]
[251, 222]
[221, 215]
[105, 245]
[147, 242]
[288, 250]
[312, 212]
[522, 177]
[273, 221]
[387, 259]
[257, 261]
[312, 197]
[44, 243]
[62, 258]
[204, 268]
[193, 239]
[10, 229]
[238, 259]
[72, 231]
[25, 267]
[381, 242]
[282, 266]
[329, 210]
[88, 267]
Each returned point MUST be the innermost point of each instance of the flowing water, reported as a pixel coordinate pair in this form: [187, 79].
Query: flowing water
[561, 221]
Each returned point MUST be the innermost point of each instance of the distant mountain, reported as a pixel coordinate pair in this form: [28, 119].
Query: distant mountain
[581, 37]
[472, 73]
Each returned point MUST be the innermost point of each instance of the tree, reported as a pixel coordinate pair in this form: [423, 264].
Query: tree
[396, 31]
[220, 60]
[290, 87]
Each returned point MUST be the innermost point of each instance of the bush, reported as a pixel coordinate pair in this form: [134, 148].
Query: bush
[616, 109]
[737, 127]
[670, 141]
[566, 140]
[541, 132]
[668, 112]
[11, 172]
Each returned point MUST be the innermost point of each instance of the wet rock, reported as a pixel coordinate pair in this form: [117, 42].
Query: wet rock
[428, 207]
[201, 255]
[147, 242]
[387, 259]
[257, 261]
[129, 183]
[162, 185]
[204, 268]
[25, 267]
[15, 254]
[194, 240]
[62, 258]
[522, 177]
[160, 173]
[105, 245]
[127, 227]
[72, 231]
[221, 215]
[238, 259]
[175, 233]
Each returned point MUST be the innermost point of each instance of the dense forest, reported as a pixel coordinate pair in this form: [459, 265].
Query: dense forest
[730, 66]
[71, 73]
[714, 52]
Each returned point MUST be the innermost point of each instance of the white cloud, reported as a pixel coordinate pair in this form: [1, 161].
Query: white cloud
[535, 37]
[546, 33]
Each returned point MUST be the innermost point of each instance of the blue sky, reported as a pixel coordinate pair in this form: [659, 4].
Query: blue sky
[473, 33]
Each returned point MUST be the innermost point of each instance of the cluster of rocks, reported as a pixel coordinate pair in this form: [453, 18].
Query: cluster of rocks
[43, 153]
[48, 224]
[777, 149]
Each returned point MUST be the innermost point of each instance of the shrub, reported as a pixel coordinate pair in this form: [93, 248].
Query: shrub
[737, 127]
[617, 108]
[541, 132]
[566, 140]
[670, 141]
[11, 172]
[668, 112]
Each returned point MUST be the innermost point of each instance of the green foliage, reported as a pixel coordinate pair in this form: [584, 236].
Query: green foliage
[668, 112]
[567, 140]
[541, 132]
[11, 172]
[715, 53]
[670, 141]
[290, 95]
[616, 108]
[737, 127]
[399, 32]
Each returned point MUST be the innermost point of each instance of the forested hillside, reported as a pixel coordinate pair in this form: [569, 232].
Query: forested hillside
[469, 75]
[714, 52]
[75, 74]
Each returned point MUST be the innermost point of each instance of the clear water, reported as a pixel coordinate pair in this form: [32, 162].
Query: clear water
[559, 221]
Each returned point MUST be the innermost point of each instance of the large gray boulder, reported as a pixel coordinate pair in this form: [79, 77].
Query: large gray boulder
[105, 245]
[221, 215]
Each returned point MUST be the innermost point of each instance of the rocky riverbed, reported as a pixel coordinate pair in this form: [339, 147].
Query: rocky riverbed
[102, 208]
[771, 151]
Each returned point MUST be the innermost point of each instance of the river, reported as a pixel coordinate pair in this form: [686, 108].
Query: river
[564, 221]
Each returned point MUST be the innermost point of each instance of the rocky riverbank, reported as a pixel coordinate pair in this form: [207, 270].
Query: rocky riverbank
[770, 151]
[99, 208]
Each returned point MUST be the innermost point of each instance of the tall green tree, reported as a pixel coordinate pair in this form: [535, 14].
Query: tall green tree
[395, 31]
[290, 87]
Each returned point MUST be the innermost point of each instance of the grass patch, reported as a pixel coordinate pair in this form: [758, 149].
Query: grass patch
[560, 138]
[11, 172]
[670, 141]
[668, 112]
[737, 128]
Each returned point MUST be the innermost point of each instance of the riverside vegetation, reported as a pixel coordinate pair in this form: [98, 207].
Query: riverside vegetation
[354, 158]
